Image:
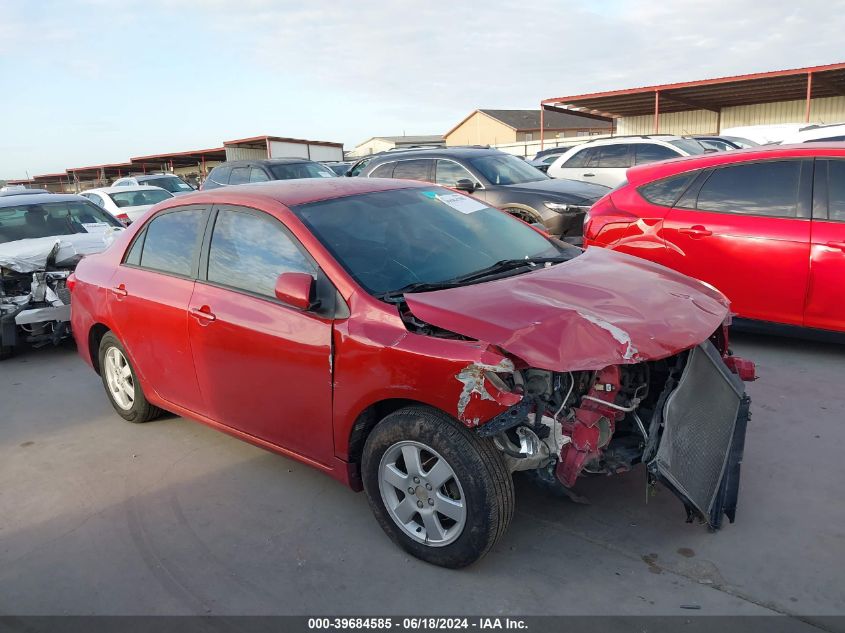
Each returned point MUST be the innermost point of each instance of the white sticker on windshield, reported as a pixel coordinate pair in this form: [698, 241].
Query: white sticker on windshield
[96, 227]
[461, 203]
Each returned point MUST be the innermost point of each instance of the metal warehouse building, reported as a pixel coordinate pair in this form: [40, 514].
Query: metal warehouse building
[802, 95]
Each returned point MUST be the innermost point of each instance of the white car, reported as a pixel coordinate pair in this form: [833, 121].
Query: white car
[765, 134]
[817, 134]
[605, 161]
[127, 203]
[168, 182]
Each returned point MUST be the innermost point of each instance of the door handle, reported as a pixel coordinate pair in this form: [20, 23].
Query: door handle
[695, 231]
[839, 245]
[588, 175]
[119, 291]
[203, 314]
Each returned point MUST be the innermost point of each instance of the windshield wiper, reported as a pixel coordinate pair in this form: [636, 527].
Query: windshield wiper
[501, 266]
[505, 265]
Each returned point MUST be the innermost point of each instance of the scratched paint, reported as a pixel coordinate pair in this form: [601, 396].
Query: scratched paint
[472, 377]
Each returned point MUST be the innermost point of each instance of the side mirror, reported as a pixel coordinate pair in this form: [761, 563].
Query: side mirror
[465, 184]
[295, 289]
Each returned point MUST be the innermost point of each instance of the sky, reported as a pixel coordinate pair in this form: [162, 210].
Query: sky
[96, 81]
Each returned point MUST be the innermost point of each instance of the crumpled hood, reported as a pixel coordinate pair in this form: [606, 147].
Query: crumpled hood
[601, 308]
[564, 190]
[31, 255]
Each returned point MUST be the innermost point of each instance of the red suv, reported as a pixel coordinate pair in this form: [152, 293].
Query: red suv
[419, 344]
[766, 226]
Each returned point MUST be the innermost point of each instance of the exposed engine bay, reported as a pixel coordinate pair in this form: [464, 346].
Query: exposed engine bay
[34, 307]
[683, 416]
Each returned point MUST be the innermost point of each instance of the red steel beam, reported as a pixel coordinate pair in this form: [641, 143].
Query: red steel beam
[809, 96]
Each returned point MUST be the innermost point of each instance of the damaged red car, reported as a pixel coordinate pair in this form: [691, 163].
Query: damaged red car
[415, 343]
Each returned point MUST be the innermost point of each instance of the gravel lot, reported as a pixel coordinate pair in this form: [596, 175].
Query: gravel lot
[99, 516]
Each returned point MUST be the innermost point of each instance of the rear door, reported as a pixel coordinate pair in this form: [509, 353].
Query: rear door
[826, 292]
[264, 368]
[148, 302]
[745, 229]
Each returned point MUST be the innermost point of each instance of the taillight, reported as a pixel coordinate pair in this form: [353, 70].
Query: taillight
[604, 219]
[70, 282]
[124, 219]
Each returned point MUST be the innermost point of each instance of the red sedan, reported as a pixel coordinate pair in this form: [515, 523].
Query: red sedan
[419, 344]
[766, 226]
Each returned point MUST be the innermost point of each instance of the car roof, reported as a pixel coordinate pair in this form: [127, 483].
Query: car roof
[124, 188]
[651, 171]
[39, 198]
[293, 192]
[448, 152]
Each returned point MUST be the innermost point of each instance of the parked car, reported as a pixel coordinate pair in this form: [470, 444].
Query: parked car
[21, 191]
[415, 342]
[168, 182]
[543, 159]
[766, 226]
[605, 161]
[127, 203]
[500, 180]
[240, 172]
[725, 143]
[764, 134]
[817, 134]
[42, 237]
[340, 168]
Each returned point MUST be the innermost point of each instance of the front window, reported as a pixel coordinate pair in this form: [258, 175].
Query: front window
[173, 184]
[389, 240]
[288, 171]
[140, 198]
[690, 146]
[505, 169]
[30, 221]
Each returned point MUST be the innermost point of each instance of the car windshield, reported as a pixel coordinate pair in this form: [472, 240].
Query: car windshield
[690, 146]
[505, 169]
[390, 239]
[30, 221]
[173, 184]
[139, 198]
[288, 171]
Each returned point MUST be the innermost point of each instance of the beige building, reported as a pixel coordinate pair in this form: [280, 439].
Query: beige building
[494, 127]
[801, 95]
[378, 144]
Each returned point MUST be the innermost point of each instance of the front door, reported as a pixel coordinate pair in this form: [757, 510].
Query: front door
[264, 368]
[746, 231]
[826, 293]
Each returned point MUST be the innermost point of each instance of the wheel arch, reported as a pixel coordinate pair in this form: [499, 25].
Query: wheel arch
[95, 335]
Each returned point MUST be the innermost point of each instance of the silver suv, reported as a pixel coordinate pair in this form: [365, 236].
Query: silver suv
[605, 161]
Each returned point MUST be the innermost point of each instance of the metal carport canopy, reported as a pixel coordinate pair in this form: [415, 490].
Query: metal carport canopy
[710, 94]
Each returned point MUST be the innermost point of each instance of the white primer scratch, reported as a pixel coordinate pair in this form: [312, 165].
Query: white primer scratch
[473, 378]
[616, 332]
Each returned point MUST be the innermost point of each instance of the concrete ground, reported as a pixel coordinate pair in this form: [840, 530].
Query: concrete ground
[99, 516]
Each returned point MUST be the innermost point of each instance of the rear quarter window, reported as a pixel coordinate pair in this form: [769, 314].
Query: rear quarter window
[665, 192]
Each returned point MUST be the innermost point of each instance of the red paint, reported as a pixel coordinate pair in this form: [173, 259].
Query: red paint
[293, 382]
[781, 270]
[294, 289]
[592, 427]
[552, 318]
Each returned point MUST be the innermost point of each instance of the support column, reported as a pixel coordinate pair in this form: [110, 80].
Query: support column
[656, 111]
[809, 96]
[542, 126]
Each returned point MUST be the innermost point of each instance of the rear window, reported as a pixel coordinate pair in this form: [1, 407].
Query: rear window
[173, 184]
[30, 221]
[288, 171]
[614, 156]
[690, 146]
[139, 198]
[666, 192]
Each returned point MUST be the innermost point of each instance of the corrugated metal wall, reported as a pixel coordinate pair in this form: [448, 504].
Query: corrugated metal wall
[824, 110]
[245, 153]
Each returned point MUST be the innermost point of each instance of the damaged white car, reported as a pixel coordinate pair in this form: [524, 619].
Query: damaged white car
[42, 238]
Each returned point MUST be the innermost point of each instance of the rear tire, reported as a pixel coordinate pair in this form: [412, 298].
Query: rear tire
[121, 382]
[450, 500]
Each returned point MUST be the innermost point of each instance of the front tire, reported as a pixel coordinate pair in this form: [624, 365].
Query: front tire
[121, 383]
[440, 492]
